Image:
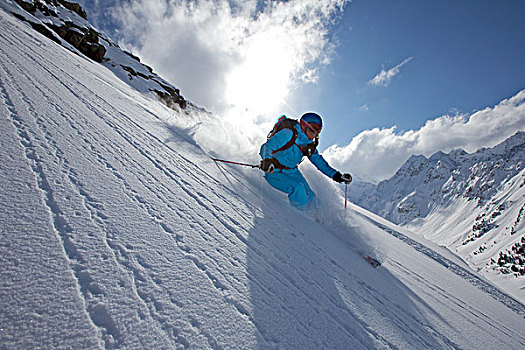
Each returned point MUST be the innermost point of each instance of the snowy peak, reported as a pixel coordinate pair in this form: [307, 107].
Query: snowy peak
[471, 203]
[66, 24]
[513, 146]
[422, 184]
[412, 166]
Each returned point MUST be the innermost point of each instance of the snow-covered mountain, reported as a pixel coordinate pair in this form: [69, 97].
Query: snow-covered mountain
[473, 204]
[119, 232]
[422, 184]
[67, 24]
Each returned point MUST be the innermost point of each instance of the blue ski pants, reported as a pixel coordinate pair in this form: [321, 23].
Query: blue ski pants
[293, 183]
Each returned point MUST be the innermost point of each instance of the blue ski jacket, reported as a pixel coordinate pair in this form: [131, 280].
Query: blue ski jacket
[292, 156]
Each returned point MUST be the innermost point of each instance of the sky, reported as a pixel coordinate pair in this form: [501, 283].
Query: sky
[389, 78]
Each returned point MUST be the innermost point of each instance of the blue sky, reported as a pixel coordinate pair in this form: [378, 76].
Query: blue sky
[465, 56]
[390, 78]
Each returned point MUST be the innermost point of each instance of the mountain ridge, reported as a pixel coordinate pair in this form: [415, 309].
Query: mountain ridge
[457, 173]
[482, 193]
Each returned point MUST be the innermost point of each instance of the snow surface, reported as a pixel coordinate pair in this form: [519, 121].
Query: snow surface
[118, 231]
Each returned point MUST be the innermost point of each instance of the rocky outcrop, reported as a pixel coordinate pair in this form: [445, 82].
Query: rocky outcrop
[84, 39]
[32, 6]
[170, 97]
[72, 6]
[66, 22]
[39, 27]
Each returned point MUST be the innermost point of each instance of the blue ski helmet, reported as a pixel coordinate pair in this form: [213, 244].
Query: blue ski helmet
[312, 118]
[311, 121]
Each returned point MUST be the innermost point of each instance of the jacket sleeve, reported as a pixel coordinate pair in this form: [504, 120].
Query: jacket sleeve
[321, 164]
[275, 142]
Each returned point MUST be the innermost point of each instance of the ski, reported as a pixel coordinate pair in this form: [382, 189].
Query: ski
[372, 261]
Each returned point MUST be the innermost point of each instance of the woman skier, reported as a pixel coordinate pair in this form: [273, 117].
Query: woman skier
[287, 144]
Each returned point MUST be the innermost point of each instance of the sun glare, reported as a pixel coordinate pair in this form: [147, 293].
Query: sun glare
[261, 81]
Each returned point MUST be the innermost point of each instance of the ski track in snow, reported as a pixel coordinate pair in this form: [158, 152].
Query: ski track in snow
[148, 244]
[475, 280]
[97, 312]
[119, 253]
[36, 163]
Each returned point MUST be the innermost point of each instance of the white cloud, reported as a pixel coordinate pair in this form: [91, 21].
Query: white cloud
[376, 154]
[241, 57]
[384, 78]
[364, 107]
[244, 59]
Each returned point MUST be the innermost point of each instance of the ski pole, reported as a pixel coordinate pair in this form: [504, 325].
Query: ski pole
[346, 193]
[236, 163]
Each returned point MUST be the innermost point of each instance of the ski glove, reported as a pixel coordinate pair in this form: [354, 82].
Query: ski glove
[267, 165]
[346, 178]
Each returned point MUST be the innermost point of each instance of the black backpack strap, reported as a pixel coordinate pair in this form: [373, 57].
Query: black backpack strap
[266, 163]
[289, 143]
[312, 147]
[309, 149]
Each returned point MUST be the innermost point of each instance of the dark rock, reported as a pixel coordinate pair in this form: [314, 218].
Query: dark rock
[42, 29]
[170, 100]
[85, 40]
[133, 73]
[88, 41]
[74, 7]
[28, 6]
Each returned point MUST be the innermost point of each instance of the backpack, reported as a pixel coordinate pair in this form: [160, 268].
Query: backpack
[286, 123]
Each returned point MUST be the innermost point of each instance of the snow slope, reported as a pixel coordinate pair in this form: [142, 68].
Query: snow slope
[118, 232]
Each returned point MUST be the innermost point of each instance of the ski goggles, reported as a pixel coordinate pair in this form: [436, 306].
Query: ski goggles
[314, 128]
